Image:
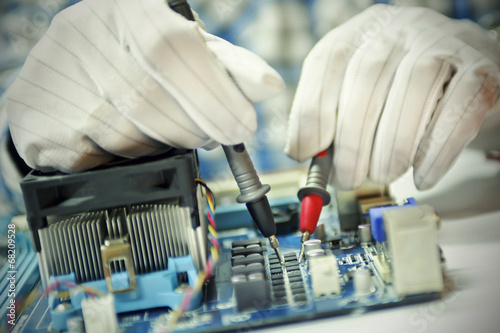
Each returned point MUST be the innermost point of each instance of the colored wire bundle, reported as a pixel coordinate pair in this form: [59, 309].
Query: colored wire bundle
[71, 285]
[212, 260]
[210, 215]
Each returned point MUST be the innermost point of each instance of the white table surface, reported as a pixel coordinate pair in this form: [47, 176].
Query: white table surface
[468, 200]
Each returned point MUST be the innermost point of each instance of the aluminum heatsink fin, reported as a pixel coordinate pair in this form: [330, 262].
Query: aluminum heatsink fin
[157, 232]
[72, 245]
[134, 239]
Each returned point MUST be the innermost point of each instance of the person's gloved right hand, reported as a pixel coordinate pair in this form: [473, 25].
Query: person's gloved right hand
[395, 87]
[131, 78]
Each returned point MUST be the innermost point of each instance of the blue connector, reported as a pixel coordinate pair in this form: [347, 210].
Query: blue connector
[377, 219]
[156, 289]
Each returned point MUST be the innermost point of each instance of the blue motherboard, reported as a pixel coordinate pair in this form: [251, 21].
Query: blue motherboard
[119, 248]
[283, 294]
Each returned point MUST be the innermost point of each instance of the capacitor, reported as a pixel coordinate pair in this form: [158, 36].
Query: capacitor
[315, 253]
[312, 244]
[365, 234]
[363, 284]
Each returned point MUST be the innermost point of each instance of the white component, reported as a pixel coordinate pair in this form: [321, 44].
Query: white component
[324, 275]
[383, 268]
[21, 222]
[412, 237]
[75, 325]
[363, 284]
[365, 233]
[99, 315]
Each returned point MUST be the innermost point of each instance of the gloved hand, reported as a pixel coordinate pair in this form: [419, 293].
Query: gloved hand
[394, 87]
[130, 78]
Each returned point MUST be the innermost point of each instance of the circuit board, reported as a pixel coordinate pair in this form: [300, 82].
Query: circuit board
[288, 291]
[124, 245]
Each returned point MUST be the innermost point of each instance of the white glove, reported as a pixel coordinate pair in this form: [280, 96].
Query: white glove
[128, 78]
[394, 87]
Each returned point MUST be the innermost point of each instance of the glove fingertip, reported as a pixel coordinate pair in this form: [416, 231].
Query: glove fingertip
[291, 151]
[274, 82]
[258, 89]
[253, 75]
[424, 182]
[298, 149]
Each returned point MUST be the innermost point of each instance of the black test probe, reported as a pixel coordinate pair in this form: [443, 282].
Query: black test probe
[252, 192]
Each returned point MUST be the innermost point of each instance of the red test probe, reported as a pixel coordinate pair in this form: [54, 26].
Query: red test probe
[314, 195]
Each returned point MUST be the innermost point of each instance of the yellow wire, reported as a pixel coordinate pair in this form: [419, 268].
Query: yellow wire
[92, 291]
[210, 201]
[66, 293]
[200, 181]
[215, 255]
[200, 281]
[202, 276]
[176, 314]
[63, 294]
[212, 230]
[211, 205]
[173, 320]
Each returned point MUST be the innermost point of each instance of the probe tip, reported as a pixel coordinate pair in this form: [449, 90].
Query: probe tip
[275, 245]
[278, 253]
[305, 237]
[301, 253]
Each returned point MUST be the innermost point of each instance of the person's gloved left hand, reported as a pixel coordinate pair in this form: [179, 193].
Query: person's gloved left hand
[129, 78]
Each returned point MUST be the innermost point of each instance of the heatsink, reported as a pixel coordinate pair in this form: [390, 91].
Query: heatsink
[154, 232]
[135, 229]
